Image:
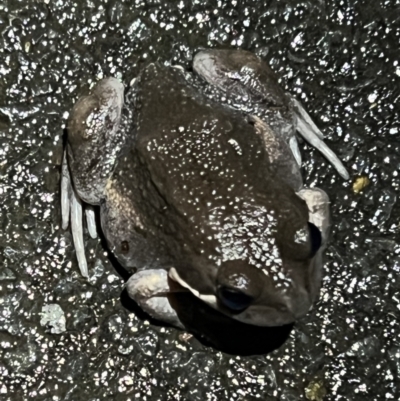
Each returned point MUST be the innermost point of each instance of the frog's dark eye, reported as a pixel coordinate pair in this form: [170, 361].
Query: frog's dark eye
[234, 300]
[315, 239]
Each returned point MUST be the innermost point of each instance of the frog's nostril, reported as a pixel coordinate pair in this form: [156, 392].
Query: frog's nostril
[124, 247]
[235, 300]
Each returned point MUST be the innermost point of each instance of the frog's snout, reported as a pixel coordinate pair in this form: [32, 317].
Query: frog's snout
[247, 294]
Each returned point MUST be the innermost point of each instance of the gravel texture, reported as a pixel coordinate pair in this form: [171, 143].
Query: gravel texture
[65, 338]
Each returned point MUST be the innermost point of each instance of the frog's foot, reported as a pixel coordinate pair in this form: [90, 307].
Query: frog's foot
[310, 132]
[318, 209]
[150, 289]
[71, 210]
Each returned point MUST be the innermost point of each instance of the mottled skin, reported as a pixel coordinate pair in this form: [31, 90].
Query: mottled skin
[202, 191]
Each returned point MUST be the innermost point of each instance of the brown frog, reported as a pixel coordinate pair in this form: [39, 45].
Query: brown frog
[201, 190]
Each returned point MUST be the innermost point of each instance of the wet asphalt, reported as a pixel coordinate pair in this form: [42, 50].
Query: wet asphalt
[65, 338]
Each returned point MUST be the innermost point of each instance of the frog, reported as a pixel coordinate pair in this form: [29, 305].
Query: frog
[197, 177]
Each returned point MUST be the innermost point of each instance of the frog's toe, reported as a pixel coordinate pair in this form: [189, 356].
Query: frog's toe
[294, 147]
[77, 233]
[150, 289]
[65, 192]
[71, 208]
[310, 132]
[301, 114]
[90, 221]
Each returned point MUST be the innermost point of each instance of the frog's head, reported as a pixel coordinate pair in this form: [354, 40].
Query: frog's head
[270, 274]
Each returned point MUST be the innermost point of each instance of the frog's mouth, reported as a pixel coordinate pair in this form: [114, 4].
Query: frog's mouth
[254, 315]
[207, 298]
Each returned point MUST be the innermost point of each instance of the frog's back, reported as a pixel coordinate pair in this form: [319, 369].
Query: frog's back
[196, 150]
[211, 171]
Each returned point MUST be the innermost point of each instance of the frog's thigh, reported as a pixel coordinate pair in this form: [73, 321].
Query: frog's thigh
[149, 288]
[95, 138]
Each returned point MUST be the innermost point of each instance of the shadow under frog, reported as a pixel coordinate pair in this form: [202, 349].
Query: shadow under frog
[198, 195]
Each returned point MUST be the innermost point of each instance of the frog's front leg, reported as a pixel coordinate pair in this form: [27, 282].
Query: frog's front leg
[243, 74]
[318, 214]
[94, 140]
[318, 210]
[150, 289]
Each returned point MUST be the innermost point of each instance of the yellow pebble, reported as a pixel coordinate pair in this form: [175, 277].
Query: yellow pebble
[360, 183]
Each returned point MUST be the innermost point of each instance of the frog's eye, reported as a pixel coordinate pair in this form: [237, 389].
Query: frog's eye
[234, 300]
[315, 239]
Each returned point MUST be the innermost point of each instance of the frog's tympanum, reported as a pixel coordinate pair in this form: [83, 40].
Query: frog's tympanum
[198, 180]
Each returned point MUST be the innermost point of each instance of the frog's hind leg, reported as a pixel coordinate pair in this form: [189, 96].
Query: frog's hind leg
[95, 138]
[241, 73]
[150, 289]
[310, 132]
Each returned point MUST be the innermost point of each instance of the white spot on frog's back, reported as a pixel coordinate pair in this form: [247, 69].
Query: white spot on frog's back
[184, 148]
[235, 146]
